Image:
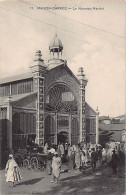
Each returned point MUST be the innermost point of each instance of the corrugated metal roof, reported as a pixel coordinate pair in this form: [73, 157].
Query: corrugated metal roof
[104, 118]
[30, 75]
[112, 127]
[16, 78]
[14, 97]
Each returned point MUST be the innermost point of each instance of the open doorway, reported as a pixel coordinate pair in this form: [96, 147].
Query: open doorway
[62, 137]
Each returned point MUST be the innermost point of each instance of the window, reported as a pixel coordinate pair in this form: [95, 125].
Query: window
[67, 96]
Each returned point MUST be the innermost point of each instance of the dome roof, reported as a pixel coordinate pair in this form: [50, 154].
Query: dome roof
[56, 44]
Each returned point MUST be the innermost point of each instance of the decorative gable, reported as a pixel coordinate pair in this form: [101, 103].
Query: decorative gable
[61, 74]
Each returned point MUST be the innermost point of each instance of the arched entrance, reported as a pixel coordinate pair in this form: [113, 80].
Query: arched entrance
[62, 137]
[61, 103]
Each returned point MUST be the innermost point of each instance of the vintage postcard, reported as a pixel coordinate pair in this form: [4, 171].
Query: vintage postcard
[62, 96]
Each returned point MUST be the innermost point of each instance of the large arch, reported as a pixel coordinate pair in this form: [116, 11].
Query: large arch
[61, 102]
[61, 98]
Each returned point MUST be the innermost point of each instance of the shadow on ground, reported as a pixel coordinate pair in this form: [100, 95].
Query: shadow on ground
[30, 182]
[85, 183]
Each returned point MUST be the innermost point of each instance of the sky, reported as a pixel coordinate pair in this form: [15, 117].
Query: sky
[92, 38]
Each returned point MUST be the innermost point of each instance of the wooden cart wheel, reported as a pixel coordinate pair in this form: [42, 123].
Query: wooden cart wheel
[34, 163]
[43, 166]
[26, 163]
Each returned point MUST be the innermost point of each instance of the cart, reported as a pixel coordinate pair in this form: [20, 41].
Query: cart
[20, 155]
[35, 161]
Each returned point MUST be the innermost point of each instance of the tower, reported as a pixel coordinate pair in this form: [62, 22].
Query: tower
[55, 49]
[83, 83]
[38, 69]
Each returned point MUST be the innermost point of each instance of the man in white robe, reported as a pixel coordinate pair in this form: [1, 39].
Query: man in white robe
[12, 171]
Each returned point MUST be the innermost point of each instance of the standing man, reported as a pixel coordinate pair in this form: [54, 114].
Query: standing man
[56, 167]
[114, 162]
[12, 171]
[94, 158]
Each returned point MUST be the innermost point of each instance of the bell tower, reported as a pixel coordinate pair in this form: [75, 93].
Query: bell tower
[55, 49]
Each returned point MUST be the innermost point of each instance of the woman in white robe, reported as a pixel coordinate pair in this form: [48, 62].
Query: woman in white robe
[12, 171]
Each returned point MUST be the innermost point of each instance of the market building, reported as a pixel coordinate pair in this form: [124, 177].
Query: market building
[47, 104]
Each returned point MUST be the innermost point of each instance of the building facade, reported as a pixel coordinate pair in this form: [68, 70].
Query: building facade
[47, 104]
[112, 129]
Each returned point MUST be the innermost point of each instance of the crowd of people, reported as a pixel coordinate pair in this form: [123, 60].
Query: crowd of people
[77, 156]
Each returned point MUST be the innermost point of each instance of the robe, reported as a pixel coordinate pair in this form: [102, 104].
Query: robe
[56, 166]
[12, 171]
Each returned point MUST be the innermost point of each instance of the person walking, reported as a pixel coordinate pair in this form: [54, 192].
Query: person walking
[62, 149]
[12, 171]
[114, 162]
[104, 155]
[58, 151]
[71, 157]
[56, 167]
[46, 148]
[66, 149]
[49, 163]
[100, 155]
[94, 158]
[77, 157]
[62, 153]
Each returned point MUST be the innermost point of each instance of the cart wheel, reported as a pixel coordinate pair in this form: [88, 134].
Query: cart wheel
[34, 163]
[26, 163]
[44, 166]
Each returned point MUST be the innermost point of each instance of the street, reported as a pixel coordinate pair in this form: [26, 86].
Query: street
[71, 182]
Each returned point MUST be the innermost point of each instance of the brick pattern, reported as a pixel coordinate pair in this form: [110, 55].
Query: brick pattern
[82, 114]
[39, 87]
[61, 75]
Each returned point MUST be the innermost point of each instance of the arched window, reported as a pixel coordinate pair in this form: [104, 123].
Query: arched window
[61, 99]
[50, 128]
[49, 125]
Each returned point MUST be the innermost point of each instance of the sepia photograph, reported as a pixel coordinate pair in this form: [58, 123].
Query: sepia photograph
[62, 97]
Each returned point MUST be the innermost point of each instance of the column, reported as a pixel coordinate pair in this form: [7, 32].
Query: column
[40, 111]
[9, 122]
[70, 129]
[83, 83]
[97, 126]
[38, 69]
[56, 130]
[82, 115]
[1, 138]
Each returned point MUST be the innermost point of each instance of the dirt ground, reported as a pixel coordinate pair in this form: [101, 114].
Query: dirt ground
[73, 182]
